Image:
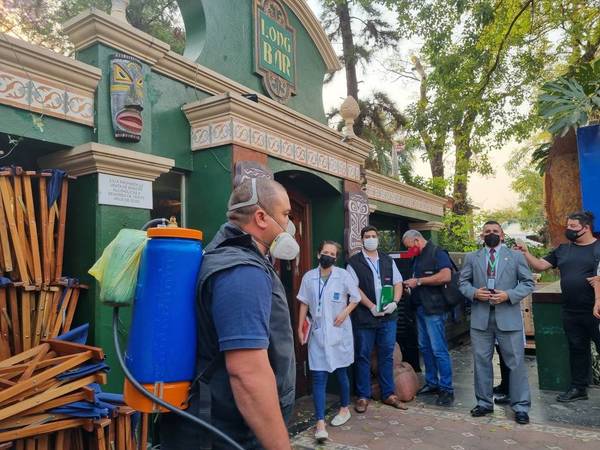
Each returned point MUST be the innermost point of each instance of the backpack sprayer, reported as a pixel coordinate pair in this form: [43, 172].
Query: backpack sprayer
[160, 361]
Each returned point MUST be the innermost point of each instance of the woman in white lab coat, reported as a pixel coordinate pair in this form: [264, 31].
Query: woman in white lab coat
[329, 294]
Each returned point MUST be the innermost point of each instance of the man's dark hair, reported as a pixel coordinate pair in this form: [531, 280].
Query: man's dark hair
[492, 222]
[585, 218]
[367, 229]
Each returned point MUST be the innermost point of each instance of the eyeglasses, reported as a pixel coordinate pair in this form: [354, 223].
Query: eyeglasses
[252, 201]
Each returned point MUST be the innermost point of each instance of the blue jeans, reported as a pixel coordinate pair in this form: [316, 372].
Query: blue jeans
[384, 337]
[434, 348]
[319, 384]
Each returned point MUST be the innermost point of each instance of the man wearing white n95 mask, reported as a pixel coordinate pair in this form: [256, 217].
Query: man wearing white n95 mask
[371, 270]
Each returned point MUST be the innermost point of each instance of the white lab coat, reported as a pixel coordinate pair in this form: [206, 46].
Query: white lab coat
[329, 347]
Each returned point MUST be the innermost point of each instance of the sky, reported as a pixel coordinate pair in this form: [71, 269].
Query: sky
[488, 193]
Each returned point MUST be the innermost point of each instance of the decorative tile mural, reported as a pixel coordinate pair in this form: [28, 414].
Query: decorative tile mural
[379, 192]
[236, 131]
[43, 96]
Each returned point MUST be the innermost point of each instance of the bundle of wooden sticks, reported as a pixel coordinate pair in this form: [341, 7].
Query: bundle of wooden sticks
[36, 301]
[32, 225]
[38, 386]
[29, 315]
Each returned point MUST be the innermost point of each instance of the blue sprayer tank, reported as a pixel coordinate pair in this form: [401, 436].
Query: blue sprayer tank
[161, 351]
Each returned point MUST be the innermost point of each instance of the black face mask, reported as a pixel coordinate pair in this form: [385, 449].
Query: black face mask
[491, 240]
[573, 235]
[326, 261]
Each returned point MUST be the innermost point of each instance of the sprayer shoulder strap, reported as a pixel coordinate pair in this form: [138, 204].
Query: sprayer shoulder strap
[207, 373]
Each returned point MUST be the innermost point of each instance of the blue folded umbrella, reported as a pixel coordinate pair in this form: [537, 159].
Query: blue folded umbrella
[81, 371]
[108, 397]
[54, 185]
[82, 409]
[77, 335]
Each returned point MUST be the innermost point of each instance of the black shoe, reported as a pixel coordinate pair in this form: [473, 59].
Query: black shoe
[445, 399]
[480, 411]
[426, 389]
[522, 418]
[501, 399]
[500, 389]
[572, 395]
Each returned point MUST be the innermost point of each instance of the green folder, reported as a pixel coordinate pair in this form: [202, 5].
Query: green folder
[386, 297]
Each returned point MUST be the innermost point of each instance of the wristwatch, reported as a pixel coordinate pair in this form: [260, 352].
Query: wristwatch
[418, 282]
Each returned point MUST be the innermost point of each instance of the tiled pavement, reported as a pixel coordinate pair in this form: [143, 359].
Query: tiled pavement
[427, 427]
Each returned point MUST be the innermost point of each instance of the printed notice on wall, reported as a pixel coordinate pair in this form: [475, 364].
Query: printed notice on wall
[123, 191]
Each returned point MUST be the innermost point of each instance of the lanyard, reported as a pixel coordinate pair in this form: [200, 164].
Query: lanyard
[375, 267]
[322, 285]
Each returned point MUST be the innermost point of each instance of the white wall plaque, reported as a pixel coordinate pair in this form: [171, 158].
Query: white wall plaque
[123, 191]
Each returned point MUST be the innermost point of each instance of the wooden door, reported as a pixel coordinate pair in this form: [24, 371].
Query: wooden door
[291, 273]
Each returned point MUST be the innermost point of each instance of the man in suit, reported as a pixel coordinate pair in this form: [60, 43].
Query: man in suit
[496, 279]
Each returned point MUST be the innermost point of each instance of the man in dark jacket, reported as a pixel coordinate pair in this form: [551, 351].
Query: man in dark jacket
[371, 270]
[432, 268]
[246, 364]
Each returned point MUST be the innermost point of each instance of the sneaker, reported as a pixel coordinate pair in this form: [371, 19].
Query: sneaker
[572, 395]
[445, 399]
[339, 419]
[501, 399]
[427, 389]
[321, 436]
[500, 389]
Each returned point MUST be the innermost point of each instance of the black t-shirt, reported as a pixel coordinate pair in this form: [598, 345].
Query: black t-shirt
[576, 263]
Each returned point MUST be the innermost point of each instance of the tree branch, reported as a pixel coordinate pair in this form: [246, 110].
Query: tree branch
[489, 73]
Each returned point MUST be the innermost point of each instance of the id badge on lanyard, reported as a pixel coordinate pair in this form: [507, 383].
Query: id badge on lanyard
[321, 290]
[491, 284]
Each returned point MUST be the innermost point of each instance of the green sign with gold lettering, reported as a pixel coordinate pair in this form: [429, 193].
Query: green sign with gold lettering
[275, 49]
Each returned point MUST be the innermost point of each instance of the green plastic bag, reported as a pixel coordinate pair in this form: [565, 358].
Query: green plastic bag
[117, 268]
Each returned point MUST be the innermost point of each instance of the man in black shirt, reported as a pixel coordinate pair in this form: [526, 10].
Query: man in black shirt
[578, 263]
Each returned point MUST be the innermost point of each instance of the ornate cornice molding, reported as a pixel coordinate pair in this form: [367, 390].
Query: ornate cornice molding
[301, 9]
[40, 80]
[426, 226]
[92, 157]
[281, 132]
[388, 190]
[93, 25]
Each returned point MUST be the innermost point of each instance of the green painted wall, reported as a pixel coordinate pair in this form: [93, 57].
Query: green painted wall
[208, 189]
[170, 127]
[18, 122]
[227, 47]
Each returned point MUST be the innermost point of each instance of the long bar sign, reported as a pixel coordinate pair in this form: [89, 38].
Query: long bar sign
[275, 52]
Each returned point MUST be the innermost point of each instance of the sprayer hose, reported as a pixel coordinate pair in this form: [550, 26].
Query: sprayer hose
[159, 401]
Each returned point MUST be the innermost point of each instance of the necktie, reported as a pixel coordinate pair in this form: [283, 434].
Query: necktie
[491, 267]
